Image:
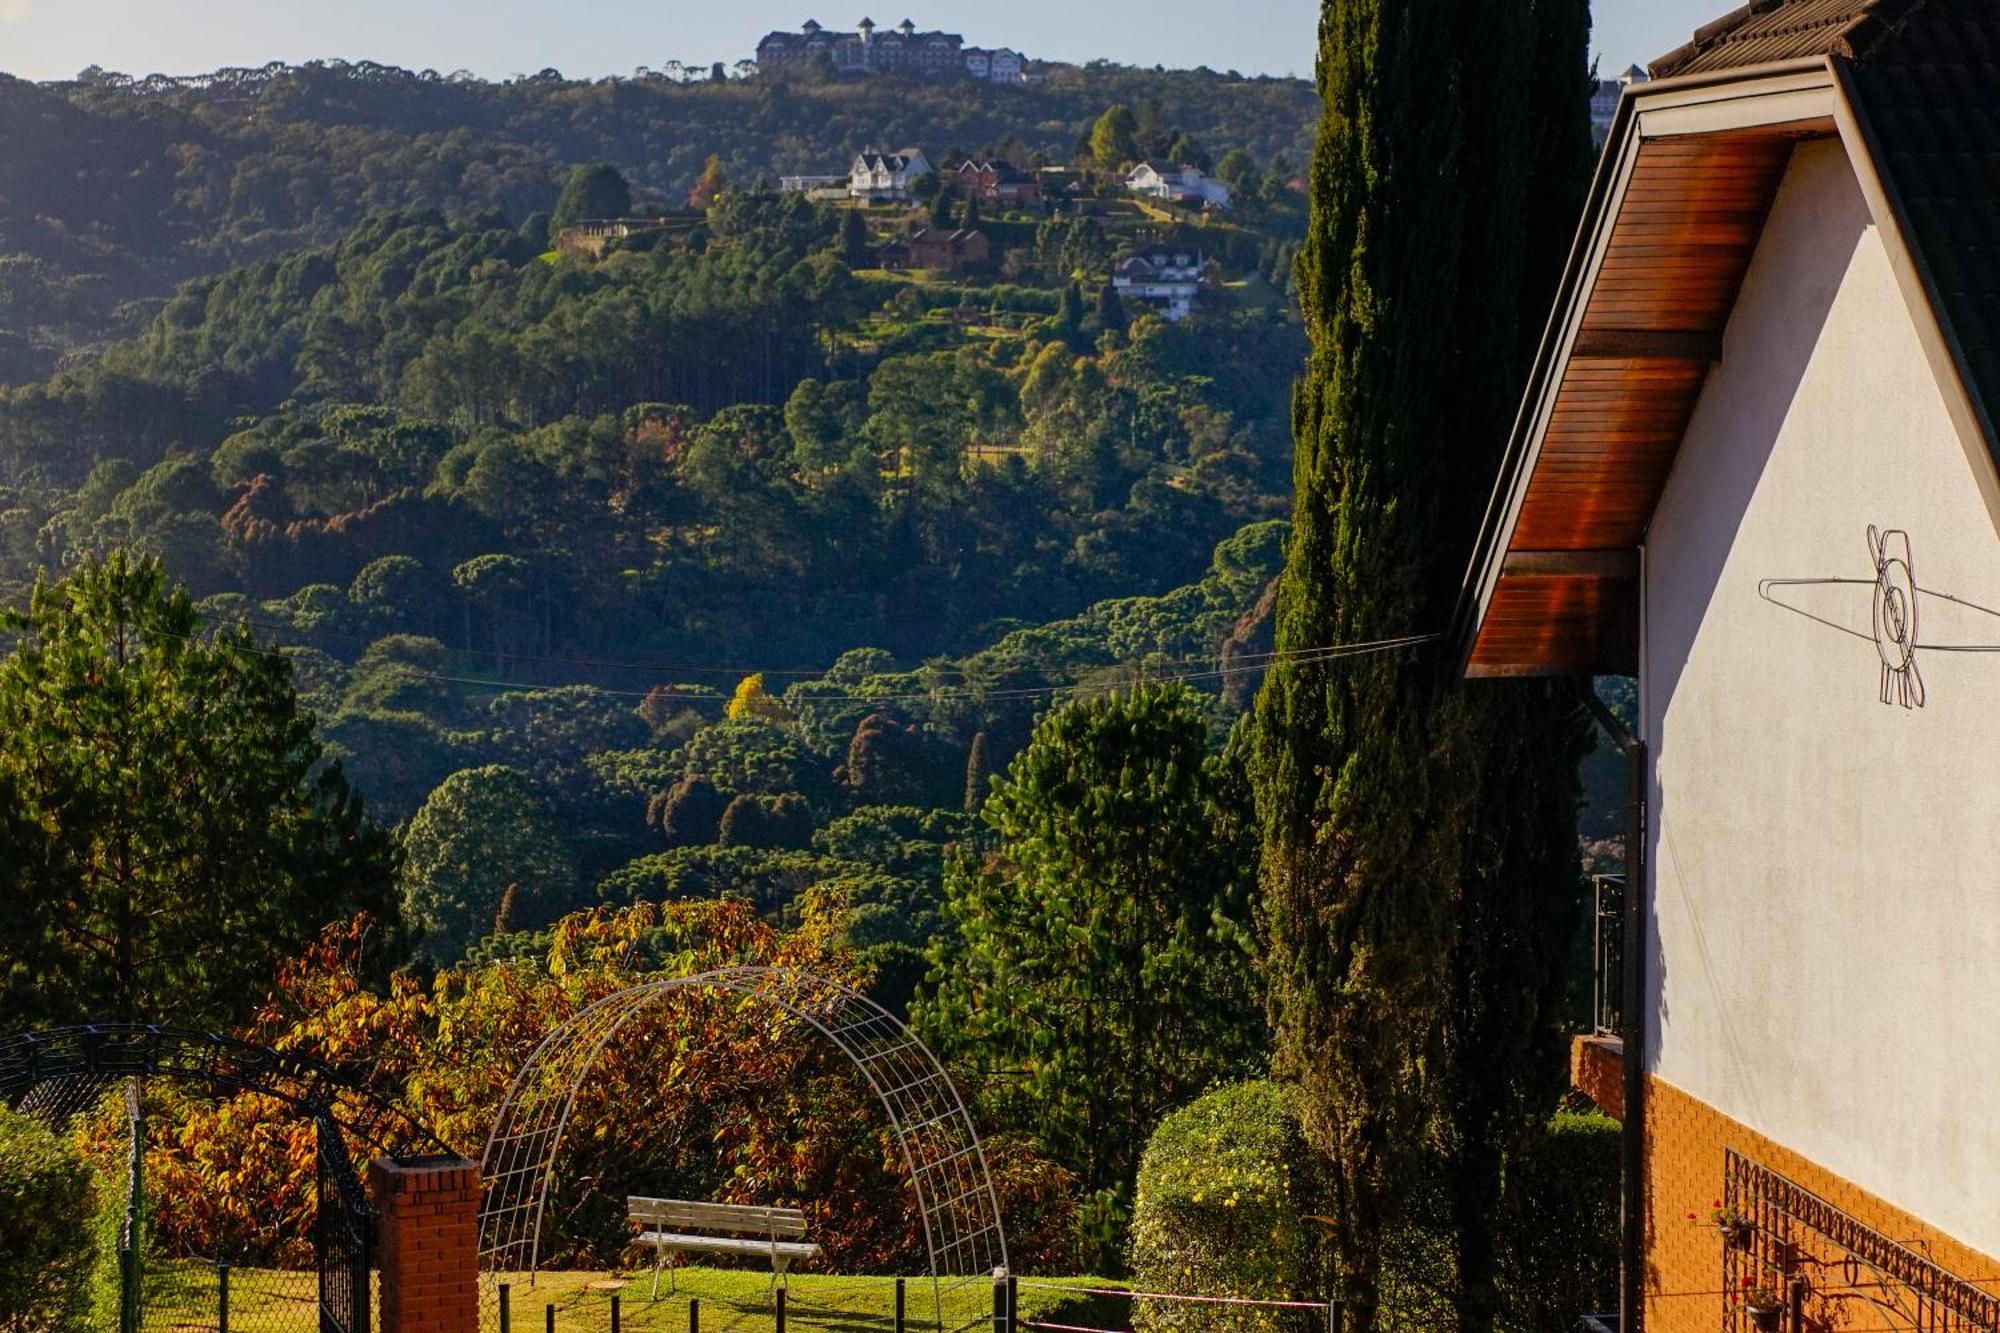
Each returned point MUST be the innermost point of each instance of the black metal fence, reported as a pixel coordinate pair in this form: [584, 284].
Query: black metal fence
[1607, 955]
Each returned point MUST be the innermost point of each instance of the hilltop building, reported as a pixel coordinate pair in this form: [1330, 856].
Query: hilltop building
[1758, 467]
[1167, 280]
[1604, 101]
[903, 49]
[1177, 184]
[878, 177]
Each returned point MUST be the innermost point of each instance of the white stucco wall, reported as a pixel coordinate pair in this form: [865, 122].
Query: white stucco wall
[1825, 869]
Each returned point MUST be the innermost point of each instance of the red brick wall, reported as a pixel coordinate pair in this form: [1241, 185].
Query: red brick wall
[427, 1244]
[1685, 1141]
[1597, 1070]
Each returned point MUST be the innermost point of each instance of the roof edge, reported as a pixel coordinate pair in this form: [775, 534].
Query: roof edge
[1620, 152]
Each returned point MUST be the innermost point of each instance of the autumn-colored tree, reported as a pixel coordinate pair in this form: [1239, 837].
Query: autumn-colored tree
[709, 1097]
[753, 701]
[709, 185]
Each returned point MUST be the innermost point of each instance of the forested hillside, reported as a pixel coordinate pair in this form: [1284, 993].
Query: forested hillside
[113, 189]
[721, 563]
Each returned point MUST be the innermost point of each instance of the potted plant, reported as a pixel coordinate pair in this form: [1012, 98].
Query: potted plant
[1763, 1304]
[1734, 1224]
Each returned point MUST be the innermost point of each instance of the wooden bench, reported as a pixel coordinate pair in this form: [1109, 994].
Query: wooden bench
[684, 1225]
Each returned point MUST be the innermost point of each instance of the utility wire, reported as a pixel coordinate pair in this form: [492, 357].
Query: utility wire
[1300, 656]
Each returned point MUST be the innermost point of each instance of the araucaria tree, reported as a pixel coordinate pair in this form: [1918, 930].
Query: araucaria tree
[173, 829]
[1418, 832]
[1096, 970]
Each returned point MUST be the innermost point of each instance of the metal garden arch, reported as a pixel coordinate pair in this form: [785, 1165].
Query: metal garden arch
[56, 1074]
[940, 1146]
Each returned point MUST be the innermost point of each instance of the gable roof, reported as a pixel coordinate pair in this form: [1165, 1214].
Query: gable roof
[1912, 90]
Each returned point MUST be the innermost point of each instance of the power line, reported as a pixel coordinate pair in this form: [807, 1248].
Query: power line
[1300, 656]
[804, 673]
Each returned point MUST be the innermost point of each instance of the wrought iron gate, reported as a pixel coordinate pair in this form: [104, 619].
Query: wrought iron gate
[343, 1228]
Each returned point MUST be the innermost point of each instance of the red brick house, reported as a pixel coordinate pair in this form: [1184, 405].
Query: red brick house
[1000, 183]
[949, 251]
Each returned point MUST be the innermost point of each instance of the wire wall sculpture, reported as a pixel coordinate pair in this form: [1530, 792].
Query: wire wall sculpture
[953, 1193]
[1890, 617]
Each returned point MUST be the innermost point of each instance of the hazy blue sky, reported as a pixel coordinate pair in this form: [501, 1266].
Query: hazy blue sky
[44, 39]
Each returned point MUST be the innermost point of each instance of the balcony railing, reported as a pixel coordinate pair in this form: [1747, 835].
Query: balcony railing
[1607, 955]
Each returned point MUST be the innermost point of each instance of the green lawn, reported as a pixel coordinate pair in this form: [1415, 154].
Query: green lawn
[181, 1298]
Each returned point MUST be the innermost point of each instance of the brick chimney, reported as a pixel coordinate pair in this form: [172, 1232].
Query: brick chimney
[427, 1243]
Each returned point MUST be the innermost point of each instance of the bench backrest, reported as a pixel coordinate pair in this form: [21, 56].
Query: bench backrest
[736, 1218]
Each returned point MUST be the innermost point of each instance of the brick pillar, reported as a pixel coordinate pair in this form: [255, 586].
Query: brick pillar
[427, 1243]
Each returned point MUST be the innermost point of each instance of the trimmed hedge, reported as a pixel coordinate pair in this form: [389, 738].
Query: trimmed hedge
[1223, 1193]
[48, 1243]
[1558, 1225]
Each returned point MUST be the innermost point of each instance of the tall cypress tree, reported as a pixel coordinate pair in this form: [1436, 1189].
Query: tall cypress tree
[1417, 833]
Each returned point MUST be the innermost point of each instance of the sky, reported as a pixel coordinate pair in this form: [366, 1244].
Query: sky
[53, 39]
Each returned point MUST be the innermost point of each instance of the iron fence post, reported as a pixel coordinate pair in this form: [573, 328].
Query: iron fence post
[551, 1317]
[614, 1312]
[781, 1310]
[1333, 1317]
[899, 1305]
[1002, 1316]
[506, 1308]
[694, 1314]
[222, 1298]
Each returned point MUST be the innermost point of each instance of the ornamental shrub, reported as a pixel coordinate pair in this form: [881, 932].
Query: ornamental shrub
[1221, 1211]
[48, 1245]
[1558, 1225]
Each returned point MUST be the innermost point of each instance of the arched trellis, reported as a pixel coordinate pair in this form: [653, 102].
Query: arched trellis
[55, 1074]
[940, 1146]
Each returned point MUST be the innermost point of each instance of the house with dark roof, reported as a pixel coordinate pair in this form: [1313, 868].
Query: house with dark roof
[1757, 468]
[949, 250]
[1167, 280]
[996, 182]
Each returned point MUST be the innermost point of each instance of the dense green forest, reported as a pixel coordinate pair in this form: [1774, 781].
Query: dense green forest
[113, 189]
[720, 563]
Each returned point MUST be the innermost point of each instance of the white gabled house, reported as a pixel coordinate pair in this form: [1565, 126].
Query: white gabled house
[1756, 468]
[886, 177]
[1177, 184]
[1167, 280]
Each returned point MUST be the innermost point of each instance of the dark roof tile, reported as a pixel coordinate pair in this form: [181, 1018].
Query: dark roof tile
[1766, 31]
[1927, 87]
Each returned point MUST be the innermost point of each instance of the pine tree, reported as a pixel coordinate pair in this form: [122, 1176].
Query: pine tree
[1110, 309]
[941, 210]
[855, 247]
[977, 774]
[1417, 833]
[970, 220]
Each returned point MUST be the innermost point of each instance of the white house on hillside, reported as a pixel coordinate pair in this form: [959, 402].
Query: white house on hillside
[1177, 185]
[1758, 467]
[1167, 280]
[996, 65]
[886, 177]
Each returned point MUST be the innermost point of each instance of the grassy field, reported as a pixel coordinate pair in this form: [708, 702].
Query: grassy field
[181, 1298]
